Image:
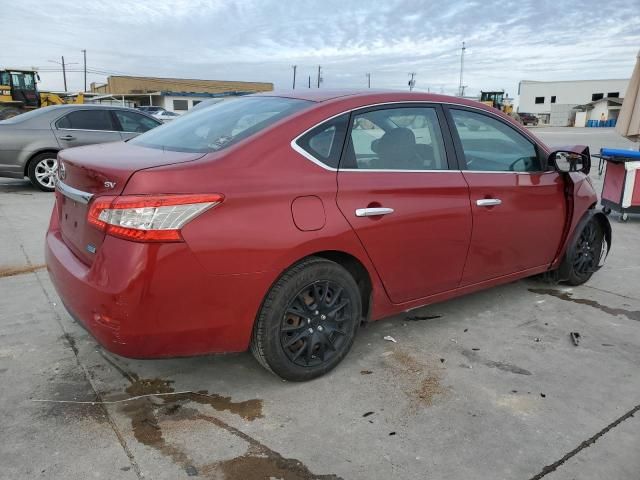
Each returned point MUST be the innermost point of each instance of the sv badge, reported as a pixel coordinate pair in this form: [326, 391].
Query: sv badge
[109, 184]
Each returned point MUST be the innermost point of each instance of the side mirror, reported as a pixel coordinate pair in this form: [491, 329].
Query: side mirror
[565, 161]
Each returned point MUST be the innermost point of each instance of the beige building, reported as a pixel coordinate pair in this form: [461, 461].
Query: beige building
[135, 85]
[173, 94]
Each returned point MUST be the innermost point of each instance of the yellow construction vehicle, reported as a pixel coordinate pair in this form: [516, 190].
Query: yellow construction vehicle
[497, 99]
[19, 93]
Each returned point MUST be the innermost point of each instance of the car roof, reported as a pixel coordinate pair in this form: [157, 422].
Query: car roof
[370, 96]
[86, 105]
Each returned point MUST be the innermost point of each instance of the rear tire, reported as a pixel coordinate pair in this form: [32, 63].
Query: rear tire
[584, 254]
[42, 171]
[308, 320]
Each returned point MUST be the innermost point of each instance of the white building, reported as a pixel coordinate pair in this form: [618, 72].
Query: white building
[538, 97]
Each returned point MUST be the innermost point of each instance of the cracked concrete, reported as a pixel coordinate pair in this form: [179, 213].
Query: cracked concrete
[450, 400]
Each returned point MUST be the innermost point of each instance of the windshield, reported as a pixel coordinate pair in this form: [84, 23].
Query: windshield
[215, 127]
[24, 81]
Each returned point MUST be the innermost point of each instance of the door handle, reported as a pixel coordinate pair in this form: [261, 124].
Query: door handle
[488, 202]
[373, 212]
[67, 137]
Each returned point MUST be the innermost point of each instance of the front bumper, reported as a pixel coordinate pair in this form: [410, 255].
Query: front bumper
[154, 300]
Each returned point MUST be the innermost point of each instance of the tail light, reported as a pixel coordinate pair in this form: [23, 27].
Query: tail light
[148, 218]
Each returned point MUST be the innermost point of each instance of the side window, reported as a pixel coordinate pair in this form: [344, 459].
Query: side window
[407, 138]
[324, 142]
[133, 122]
[87, 120]
[492, 146]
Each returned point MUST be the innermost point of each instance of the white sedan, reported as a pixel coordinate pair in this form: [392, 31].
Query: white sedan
[165, 116]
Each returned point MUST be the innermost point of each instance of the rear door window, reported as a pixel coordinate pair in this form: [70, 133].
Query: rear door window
[87, 120]
[405, 138]
[134, 122]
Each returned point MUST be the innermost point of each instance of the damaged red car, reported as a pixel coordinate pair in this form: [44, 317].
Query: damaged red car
[281, 222]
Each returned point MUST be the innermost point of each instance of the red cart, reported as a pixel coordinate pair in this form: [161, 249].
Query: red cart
[621, 189]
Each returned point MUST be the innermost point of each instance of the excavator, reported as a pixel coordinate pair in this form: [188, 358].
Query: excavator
[497, 99]
[19, 93]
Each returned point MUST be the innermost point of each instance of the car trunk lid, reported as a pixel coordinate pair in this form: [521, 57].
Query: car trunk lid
[99, 170]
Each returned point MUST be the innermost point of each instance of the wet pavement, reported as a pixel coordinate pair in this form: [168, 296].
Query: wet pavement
[488, 386]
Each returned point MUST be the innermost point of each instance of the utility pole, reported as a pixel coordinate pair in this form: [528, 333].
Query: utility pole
[460, 86]
[64, 70]
[84, 52]
[368, 80]
[309, 81]
[64, 74]
[412, 82]
[319, 77]
[294, 75]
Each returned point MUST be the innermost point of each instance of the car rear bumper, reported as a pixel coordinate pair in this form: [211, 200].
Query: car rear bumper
[154, 300]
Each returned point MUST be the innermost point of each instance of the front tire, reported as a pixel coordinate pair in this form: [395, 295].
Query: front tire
[42, 171]
[308, 321]
[584, 256]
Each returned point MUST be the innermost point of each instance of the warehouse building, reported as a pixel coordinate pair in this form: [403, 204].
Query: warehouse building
[543, 98]
[174, 94]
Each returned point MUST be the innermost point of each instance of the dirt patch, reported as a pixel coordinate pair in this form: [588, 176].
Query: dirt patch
[260, 462]
[148, 386]
[567, 296]
[149, 414]
[421, 382]
[261, 465]
[7, 271]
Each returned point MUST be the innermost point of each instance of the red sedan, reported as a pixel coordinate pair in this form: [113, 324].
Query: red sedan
[280, 222]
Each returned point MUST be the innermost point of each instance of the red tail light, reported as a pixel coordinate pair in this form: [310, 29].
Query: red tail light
[148, 218]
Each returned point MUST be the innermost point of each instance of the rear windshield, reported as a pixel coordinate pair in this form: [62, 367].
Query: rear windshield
[213, 128]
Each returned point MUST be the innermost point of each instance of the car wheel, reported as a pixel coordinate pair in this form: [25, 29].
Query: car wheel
[42, 171]
[308, 320]
[585, 254]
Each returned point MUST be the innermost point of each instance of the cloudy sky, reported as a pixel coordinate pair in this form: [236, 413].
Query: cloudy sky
[260, 40]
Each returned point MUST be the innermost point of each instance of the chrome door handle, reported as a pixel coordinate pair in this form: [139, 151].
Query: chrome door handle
[488, 202]
[67, 137]
[373, 212]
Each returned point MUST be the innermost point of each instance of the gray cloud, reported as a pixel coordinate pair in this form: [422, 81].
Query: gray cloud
[260, 40]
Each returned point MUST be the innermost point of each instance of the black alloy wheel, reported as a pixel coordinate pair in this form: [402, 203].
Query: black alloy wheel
[308, 320]
[316, 323]
[585, 254]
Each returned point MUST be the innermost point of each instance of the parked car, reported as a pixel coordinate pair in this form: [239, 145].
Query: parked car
[165, 116]
[30, 142]
[280, 223]
[528, 118]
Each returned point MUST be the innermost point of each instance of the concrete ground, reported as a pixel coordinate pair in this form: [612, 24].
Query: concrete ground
[488, 386]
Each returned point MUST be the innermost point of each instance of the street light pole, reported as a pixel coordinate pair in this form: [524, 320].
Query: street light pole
[319, 78]
[294, 75]
[412, 82]
[368, 80]
[460, 86]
